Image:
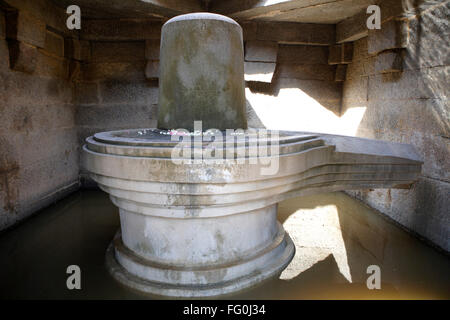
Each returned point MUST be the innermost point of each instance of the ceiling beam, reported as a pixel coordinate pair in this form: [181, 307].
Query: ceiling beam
[160, 9]
[181, 6]
[251, 9]
[290, 32]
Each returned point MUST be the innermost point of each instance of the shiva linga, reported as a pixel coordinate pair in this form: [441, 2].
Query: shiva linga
[198, 208]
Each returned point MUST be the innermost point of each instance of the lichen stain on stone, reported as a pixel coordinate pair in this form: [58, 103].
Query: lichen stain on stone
[210, 276]
[219, 241]
[145, 248]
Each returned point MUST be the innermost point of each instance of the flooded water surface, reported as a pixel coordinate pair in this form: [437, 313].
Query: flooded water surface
[336, 237]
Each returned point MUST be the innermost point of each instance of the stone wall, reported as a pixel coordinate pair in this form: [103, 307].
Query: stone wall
[400, 76]
[58, 87]
[290, 82]
[117, 87]
[38, 144]
[302, 88]
[112, 91]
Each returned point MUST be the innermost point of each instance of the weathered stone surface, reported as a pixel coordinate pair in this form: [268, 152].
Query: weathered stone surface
[340, 54]
[408, 123]
[305, 71]
[74, 70]
[77, 49]
[32, 198]
[2, 25]
[152, 48]
[300, 54]
[410, 84]
[38, 148]
[22, 57]
[134, 70]
[202, 73]
[54, 44]
[23, 89]
[361, 67]
[428, 45]
[248, 30]
[296, 33]
[115, 115]
[45, 10]
[360, 51]
[120, 30]
[355, 92]
[392, 35]
[347, 53]
[86, 93]
[317, 89]
[289, 32]
[389, 61]
[259, 71]
[152, 69]
[335, 54]
[35, 132]
[24, 27]
[316, 11]
[355, 28]
[341, 71]
[120, 91]
[261, 51]
[51, 66]
[411, 107]
[117, 51]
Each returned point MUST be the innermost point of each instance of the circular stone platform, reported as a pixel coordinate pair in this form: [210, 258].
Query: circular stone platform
[205, 228]
[196, 229]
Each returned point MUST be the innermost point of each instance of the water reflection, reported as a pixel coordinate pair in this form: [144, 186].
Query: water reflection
[336, 239]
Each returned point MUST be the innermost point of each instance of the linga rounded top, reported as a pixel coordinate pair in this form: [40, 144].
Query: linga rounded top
[201, 73]
[201, 16]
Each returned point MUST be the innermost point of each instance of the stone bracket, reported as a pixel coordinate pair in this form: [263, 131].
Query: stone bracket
[22, 57]
[341, 53]
[341, 73]
[392, 35]
[23, 27]
[260, 60]
[389, 61]
[79, 50]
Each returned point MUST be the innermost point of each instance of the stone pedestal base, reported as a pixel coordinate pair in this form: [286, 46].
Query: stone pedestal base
[162, 279]
[201, 228]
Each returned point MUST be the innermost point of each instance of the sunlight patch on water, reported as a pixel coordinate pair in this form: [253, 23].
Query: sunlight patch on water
[316, 234]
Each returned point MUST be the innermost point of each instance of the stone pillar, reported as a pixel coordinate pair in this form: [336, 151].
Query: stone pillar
[201, 73]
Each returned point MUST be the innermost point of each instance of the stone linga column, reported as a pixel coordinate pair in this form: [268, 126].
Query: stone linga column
[201, 73]
[199, 226]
